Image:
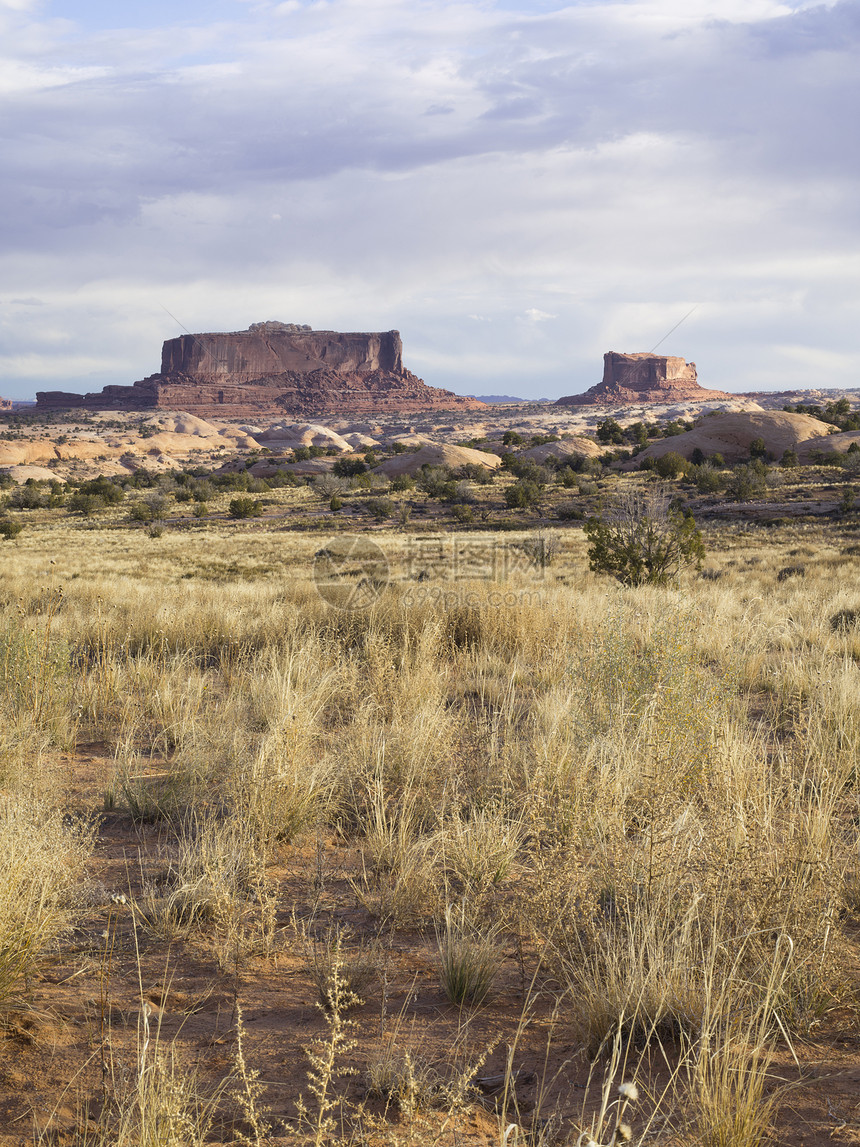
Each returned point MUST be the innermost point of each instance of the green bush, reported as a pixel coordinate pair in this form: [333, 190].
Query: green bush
[706, 479]
[671, 465]
[522, 495]
[110, 493]
[403, 482]
[436, 481]
[85, 504]
[245, 507]
[349, 467]
[463, 513]
[642, 540]
[140, 512]
[10, 529]
[335, 504]
[746, 484]
[381, 508]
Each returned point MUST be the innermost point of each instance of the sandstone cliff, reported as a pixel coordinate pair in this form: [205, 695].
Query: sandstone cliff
[274, 368]
[644, 377]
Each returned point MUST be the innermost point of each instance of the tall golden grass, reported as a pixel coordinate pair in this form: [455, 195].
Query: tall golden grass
[651, 789]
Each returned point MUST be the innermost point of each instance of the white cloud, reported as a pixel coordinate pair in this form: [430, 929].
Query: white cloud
[463, 171]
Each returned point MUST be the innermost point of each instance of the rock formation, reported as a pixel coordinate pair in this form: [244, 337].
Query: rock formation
[5, 403]
[644, 377]
[274, 368]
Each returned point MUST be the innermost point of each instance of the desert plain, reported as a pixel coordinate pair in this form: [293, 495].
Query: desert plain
[343, 801]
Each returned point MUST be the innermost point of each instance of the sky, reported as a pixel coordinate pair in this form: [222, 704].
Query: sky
[518, 186]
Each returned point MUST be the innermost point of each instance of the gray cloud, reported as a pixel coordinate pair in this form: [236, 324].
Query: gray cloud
[391, 163]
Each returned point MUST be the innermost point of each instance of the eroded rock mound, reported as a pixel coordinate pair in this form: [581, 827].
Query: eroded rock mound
[644, 377]
[274, 368]
[732, 434]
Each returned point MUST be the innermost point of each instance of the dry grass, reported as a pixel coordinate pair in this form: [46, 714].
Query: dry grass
[652, 793]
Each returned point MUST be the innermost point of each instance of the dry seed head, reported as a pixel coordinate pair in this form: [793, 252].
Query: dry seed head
[623, 1133]
[629, 1091]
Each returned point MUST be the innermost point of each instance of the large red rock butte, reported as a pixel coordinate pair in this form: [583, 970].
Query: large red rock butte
[644, 377]
[274, 368]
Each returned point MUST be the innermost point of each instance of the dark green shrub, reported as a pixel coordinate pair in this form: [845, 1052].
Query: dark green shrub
[110, 493]
[140, 512]
[643, 540]
[349, 467]
[335, 504]
[463, 513]
[85, 504]
[10, 529]
[570, 513]
[522, 495]
[381, 508]
[789, 458]
[671, 465]
[437, 481]
[746, 484]
[244, 507]
[511, 438]
[403, 482]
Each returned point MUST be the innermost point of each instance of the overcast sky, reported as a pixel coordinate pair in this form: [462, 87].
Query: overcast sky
[516, 185]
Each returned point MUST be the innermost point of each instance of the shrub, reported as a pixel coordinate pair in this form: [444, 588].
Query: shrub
[641, 540]
[511, 438]
[403, 482]
[28, 497]
[245, 507]
[463, 513]
[437, 481]
[522, 495]
[108, 491]
[789, 458]
[610, 431]
[85, 504]
[140, 512]
[349, 467]
[671, 465]
[757, 448]
[335, 504]
[706, 479]
[10, 529]
[570, 513]
[380, 508]
[745, 484]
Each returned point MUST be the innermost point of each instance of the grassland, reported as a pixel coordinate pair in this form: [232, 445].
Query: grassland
[446, 869]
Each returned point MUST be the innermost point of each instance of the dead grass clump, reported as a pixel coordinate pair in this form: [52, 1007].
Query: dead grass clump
[42, 859]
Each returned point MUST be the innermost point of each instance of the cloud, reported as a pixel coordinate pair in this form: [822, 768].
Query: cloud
[393, 163]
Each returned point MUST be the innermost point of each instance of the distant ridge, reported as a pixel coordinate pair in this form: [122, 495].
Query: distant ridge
[497, 398]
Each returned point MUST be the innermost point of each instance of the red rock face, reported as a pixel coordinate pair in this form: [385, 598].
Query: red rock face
[643, 377]
[274, 368]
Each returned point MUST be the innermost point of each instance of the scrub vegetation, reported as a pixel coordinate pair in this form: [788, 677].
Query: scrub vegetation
[514, 853]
